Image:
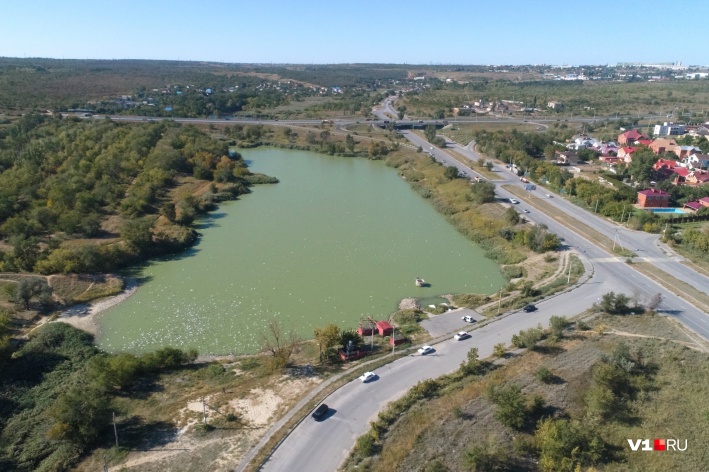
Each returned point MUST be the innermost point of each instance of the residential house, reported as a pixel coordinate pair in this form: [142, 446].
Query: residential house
[653, 198]
[661, 145]
[696, 161]
[697, 205]
[692, 206]
[626, 154]
[566, 158]
[684, 151]
[665, 167]
[629, 137]
[610, 159]
[702, 130]
[697, 177]
[644, 142]
[680, 175]
[555, 105]
[669, 129]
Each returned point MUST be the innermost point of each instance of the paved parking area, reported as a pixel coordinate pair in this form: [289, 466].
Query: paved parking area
[449, 322]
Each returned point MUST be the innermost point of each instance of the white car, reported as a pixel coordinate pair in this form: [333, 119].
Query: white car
[460, 336]
[514, 200]
[425, 350]
[525, 210]
[367, 376]
[468, 319]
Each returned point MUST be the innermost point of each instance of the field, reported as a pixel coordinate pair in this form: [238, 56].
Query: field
[445, 429]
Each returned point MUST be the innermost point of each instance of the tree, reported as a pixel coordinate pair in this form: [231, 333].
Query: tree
[558, 324]
[567, 445]
[350, 143]
[511, 405]
[430, 133]
[511, 216]
[482, 192]
[26, 252]
[137, 234]
[473, 365]
[499, 350]
[282, 345]
[80, 415]
[33, 287]
[327, 338]
[451, 172]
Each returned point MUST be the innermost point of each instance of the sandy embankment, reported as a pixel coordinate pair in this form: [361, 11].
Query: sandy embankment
[83, 316]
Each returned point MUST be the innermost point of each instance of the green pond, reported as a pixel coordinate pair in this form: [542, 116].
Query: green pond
[337, 239]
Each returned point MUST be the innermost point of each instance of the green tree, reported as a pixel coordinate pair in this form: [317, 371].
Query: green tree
[558, 324]
[80, 415]
[350, 143]
[482, 192]
[471, 366]
[451, 172]
[33, 287]
[567, 445]
[511, 404]
[430, 133]
[327, 338]
[499, 350]
[26, 252]
[511, 216]
[137, 234]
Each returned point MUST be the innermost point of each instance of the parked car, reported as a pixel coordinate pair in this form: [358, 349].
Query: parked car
[529, 308]
[423, 350]
[468, 319]
[461, 335]
[321, 411]
[514, 200]
[367, 376]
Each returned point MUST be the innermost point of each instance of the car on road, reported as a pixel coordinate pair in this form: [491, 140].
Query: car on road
[548, 195]
[461, 335]
[525, 210]
[425, 350]
[468, 319]
[514, 200]
[321, 411]
[529, 308]
[367, 376]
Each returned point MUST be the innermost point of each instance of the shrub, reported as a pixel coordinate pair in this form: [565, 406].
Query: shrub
[528, 338]
[543, 374]
[557, 325]
[366, 446]
[499, 350]
[511, 405]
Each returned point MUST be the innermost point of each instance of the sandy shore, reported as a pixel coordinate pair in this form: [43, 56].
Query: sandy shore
[83, 316]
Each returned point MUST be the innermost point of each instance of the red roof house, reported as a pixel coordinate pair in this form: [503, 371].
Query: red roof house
[629, 137]
[665, 167]
[384, 328]
[704, 201]
[626, 153]
[653, 198]
[692, 206]
[366, 328]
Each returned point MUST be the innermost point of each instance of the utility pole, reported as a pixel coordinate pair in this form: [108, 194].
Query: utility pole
[595, 210]
[115, 429]
[499, 303]
[393, 342]
[568, 279]
[204, 411]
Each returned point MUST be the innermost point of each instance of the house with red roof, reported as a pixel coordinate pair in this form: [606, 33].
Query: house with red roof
[630, 137]
[653, 198]
[679, 175]
[697, 177]
[665, 167]
[626, 153]
[685, 151]
[384, 328]
[661, 145]
[692, 206]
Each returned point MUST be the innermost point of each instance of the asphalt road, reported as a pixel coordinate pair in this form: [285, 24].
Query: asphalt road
[322, 446]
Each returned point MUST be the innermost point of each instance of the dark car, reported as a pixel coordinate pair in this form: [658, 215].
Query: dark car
[529, 308]
[321, 411]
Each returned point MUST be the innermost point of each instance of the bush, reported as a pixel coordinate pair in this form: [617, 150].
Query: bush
[366, 446]
[499, 350]
[558, 324]
[511, 405]
[543, 374]
[528, 338]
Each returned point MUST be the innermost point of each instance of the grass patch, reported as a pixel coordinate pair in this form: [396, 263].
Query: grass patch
[442, 427]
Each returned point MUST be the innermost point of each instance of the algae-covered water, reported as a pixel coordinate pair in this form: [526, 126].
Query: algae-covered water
[336, 239]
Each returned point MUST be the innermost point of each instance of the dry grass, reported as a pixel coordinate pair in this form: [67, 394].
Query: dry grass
[74, 288]
[442, 428]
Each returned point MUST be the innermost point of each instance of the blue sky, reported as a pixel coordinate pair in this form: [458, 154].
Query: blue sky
[314, 31]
